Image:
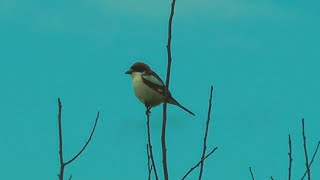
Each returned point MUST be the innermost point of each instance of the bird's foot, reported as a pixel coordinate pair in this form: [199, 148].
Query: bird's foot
[148, 110]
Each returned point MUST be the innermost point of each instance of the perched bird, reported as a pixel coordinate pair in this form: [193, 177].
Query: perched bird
[149, 88]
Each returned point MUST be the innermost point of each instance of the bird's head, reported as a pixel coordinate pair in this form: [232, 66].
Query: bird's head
[138, 68]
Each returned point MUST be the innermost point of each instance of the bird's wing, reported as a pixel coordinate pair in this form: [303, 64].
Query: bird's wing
[155, 83]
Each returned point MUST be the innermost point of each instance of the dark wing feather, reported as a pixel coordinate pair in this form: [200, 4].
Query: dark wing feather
[155, 83]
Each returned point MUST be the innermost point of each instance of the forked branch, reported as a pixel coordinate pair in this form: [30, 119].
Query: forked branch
[305, 151]
[203, 157]
[62, 163]
[206, 133]
[313, 157]
[149, 147]
[195, 166]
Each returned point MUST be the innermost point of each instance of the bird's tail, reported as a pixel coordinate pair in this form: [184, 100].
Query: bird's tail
[175, 102]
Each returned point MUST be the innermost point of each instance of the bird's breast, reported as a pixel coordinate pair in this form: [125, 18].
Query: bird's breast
[144, 93]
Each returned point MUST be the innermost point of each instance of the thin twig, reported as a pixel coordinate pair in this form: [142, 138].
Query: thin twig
[88, 141]
[169, 56]
[290, 158]
[60, 141]
[195, 166]
[271, 178]
[70, 177]
[314, 155]
[164, 122]
[252, 176]
[305, 151]
[206, 133]
[149, 164]
[150, 145]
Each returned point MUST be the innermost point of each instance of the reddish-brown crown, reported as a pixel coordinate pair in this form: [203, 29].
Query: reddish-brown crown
[140, 67]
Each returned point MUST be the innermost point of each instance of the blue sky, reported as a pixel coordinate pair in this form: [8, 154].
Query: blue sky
[262, 57]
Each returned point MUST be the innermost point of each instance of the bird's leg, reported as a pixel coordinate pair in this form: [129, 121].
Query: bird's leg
[148, 108]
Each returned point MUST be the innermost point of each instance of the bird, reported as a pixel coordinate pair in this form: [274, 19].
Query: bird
[149, 88]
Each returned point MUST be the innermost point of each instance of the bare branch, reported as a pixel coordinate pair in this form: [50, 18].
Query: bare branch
[169, 43]
[60, 140]
[290, 158]
[88, 141]
[206, 133]
[164, 122]
[149, 164]
[195, 166]
[252, 176]
[149, 145]
[314, 155]
[305, 151]
[62, 163]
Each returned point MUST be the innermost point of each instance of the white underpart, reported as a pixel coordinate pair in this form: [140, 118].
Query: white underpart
[143, 92]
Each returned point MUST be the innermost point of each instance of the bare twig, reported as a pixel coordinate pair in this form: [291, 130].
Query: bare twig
[305, 151]
[271, 178]
[62, 163]
[164, 122]
[314, 155]
[149, 164]
[86, 144]
[150, 145]
[60, 141]
[252, 176]
[195, 166]
[206, 133]
[169, 56]
[290, 158]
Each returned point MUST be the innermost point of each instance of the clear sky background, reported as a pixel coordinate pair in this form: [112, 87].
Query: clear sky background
[262, 57]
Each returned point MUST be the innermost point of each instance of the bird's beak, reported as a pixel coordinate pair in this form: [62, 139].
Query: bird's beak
[129, 71]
